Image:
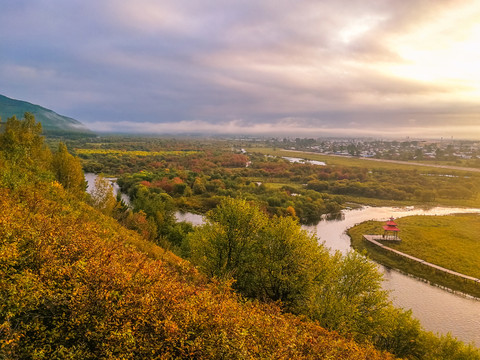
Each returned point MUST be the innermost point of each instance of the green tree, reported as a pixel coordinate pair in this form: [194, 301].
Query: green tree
[21, 140]
[274, 259]
[224, 245]
[158, 207]
[199, 186]
[22, 146]
[68, 171]
[401, 334]
[288, 264]
[351, 299]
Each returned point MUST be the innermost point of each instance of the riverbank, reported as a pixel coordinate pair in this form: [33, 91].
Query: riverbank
[447, 241]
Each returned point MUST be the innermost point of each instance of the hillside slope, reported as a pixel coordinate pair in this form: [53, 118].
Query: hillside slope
[52, 123]
[75, 285]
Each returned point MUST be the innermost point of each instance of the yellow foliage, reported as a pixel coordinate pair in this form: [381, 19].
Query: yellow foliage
[75, 285]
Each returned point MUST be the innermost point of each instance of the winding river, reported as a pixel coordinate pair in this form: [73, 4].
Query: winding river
[438, 310]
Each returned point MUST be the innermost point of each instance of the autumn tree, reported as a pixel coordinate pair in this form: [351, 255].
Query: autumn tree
[142, 224]
[102, 196]
[75, 285]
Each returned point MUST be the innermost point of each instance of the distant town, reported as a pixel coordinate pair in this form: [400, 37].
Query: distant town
[459, 151]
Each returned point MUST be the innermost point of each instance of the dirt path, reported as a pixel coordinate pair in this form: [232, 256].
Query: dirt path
[371, 238]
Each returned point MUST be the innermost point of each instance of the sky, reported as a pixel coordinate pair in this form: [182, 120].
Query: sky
[381, 68]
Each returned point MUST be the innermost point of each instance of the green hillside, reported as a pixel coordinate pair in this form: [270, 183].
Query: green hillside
[52, 123]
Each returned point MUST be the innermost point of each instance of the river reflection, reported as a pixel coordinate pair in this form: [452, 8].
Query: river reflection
[438, 310]
[340, 216]
[194, 219]
[303, 161]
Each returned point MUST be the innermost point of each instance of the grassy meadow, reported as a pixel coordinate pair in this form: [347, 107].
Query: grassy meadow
[451, 241]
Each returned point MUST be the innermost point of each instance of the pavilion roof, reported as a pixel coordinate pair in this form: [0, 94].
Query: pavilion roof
[390, 228]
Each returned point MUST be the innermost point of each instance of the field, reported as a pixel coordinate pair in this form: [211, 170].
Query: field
[194, 176]
[452, 242]
[358, 162]
[427, 178]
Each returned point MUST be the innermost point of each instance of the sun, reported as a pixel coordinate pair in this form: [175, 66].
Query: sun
[446, 52]
[457, 61]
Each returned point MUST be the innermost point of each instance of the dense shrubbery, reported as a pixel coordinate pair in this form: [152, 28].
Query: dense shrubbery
[72, 287]
[401, 185]
[75, 285]
[191, 191]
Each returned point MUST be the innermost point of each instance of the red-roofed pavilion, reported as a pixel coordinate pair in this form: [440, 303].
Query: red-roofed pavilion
[390, 229]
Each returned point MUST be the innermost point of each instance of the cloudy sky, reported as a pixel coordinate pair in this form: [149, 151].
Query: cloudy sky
[304, 68]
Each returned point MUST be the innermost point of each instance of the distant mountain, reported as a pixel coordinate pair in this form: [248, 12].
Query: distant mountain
[52, 123]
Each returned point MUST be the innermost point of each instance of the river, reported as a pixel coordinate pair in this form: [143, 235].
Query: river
[91, 177]
[438, 310]
[303, 161]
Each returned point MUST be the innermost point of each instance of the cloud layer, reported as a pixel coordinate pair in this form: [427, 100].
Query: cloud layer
[405, 68]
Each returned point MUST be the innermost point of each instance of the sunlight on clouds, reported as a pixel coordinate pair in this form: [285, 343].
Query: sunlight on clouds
[460, 61]
[446, 51]
[331, 63]
[357, 28]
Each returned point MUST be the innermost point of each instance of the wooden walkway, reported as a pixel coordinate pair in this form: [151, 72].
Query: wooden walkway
[371, 239]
